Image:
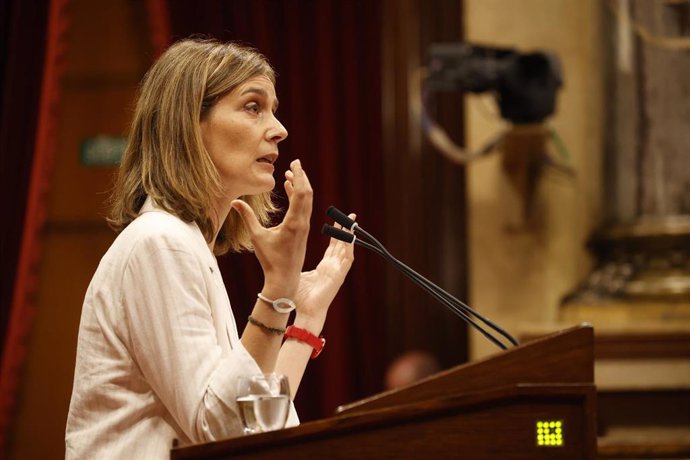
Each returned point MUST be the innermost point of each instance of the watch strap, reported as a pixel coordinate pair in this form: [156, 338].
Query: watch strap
[304, 336]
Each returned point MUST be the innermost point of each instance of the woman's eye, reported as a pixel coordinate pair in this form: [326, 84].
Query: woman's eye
[253, 107]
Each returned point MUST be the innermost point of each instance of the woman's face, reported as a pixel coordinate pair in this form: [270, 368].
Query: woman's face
[241, 133]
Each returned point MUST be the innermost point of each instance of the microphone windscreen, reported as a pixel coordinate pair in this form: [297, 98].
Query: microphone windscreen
[340, 217]
[338, 234]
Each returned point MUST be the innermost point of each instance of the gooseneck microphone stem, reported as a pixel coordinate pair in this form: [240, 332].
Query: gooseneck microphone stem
[436, 292]
[461, 309]
[433, 290]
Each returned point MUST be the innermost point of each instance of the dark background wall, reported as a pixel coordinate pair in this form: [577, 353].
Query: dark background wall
[344, 75]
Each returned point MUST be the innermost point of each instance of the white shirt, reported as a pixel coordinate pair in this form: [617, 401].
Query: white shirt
[158, 349]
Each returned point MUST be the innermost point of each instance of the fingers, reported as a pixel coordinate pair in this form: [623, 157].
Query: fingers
[289, 176]
[299, 192]
[352, 216]
[288, 189]
[248, 217]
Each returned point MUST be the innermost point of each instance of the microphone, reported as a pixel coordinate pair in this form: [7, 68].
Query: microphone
[338, 234]
[340, 217]
[455, 305]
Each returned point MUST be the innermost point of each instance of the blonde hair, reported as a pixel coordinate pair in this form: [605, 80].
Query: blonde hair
[165, 156]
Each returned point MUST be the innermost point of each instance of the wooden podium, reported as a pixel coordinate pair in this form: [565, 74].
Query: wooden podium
[535, 401]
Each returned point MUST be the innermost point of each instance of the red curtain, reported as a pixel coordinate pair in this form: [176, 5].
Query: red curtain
[327, 56]
[22, 47]
[30, 75]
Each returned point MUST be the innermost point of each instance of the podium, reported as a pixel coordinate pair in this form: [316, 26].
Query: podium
[534, 401]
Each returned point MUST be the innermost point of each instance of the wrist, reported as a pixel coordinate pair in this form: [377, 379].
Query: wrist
[311, 324]
[278, 290]
[267, 315]
[282, 305]
[306, 338]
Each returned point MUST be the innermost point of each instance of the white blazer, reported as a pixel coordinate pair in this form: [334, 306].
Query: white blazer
[158, 350]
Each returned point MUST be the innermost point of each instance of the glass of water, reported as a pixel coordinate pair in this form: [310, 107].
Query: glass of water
[263, 401]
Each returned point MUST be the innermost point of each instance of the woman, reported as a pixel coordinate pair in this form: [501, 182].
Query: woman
[158, 351]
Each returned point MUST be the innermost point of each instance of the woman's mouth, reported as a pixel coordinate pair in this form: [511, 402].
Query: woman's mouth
[270, 158]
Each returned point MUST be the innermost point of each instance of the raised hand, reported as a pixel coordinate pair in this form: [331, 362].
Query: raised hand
[318, 287]
[281, 249]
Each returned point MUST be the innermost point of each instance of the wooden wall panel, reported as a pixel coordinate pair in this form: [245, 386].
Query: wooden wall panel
[425, 194]
[108, 53]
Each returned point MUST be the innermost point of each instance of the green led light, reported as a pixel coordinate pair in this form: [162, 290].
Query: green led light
[550, 433]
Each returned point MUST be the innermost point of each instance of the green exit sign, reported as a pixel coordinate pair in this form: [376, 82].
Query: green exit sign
[102, 150]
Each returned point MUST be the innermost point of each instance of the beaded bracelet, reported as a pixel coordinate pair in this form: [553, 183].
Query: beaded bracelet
[272, 330]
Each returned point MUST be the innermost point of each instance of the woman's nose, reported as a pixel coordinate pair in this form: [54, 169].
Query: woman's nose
[278, 131]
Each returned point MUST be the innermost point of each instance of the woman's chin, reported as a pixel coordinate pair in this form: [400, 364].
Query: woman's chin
[270, 185]
[265, 186]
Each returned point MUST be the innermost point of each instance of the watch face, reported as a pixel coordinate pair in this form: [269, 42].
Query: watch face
[283, 305]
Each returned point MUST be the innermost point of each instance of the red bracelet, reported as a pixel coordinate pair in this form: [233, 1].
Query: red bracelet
[304, 336]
